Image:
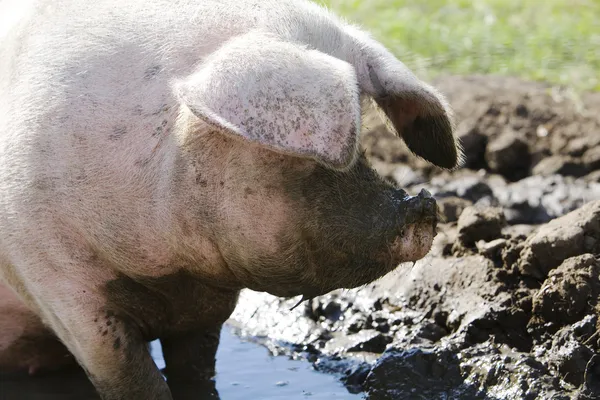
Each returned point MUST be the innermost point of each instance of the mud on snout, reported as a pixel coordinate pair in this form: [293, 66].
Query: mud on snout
[357, 227]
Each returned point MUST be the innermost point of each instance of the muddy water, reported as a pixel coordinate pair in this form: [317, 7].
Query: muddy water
[244, 371]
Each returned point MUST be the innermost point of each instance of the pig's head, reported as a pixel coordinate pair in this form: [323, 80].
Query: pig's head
[298, 209]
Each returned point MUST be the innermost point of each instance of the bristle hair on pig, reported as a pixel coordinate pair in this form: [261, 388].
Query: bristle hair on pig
[156, 157]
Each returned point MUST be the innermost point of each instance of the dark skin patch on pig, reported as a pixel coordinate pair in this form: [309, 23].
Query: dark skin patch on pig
[118, 132]
[133, 374]
[343, 206]
[42, 350]
[160, 129]
[163, 109]
[248, 192]
[189, 356]
[179, 309]
[152, 71]
[138, 110]
[169, 304]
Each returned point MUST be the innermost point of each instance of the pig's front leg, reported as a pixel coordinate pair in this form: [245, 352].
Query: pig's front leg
[190, 353]
[118, 362]
[190, 357]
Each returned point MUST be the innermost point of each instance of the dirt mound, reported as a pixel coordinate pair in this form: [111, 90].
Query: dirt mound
[570, 291]
[506, 305]
[567, 236]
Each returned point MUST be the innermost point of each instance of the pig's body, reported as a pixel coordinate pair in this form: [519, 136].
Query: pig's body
[146, 176]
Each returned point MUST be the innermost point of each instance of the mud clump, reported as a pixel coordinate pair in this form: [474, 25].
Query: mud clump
[480, 223]
[575, 233]
[569, 357]
[561, 165]
[416, 372]
[568, 292]
[507, 303]
[452, 207]
[591, 158]
[509, 156]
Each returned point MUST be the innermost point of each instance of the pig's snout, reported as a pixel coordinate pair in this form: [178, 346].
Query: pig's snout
[416, 220]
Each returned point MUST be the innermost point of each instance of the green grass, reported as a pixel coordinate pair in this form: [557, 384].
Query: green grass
[556, 41]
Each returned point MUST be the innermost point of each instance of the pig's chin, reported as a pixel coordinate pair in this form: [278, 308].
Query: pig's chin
[315, 278]
[414, 244]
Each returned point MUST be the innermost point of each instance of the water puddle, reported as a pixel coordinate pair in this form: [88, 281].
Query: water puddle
[245, 371]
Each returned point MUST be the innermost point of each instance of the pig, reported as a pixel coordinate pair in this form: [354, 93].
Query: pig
[156, 157]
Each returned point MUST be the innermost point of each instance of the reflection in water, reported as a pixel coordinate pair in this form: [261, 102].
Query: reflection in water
[244, 371]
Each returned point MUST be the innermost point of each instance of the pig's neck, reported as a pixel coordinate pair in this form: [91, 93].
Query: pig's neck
[195, 186]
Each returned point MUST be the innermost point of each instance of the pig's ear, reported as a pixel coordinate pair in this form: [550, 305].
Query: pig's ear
[418, 113]
[280, 95]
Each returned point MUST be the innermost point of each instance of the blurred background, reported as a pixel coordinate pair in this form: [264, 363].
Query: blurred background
[555, 41]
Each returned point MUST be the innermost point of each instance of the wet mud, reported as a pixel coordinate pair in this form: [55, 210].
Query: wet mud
[506, 305]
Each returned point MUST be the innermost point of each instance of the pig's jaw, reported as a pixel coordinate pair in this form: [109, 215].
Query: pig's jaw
[414, 244]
